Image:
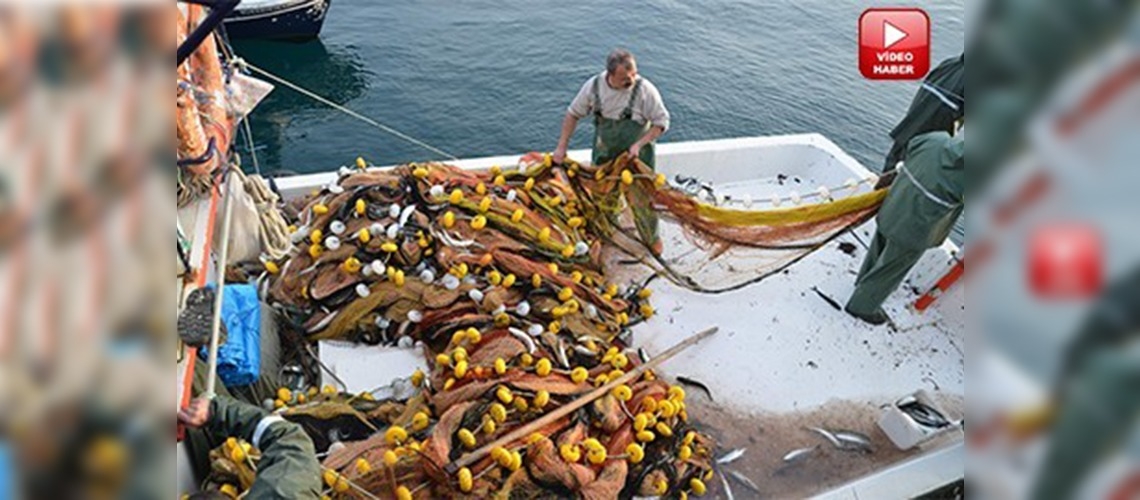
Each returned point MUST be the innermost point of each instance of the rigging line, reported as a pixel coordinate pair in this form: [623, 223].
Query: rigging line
[250, 145]
[338, 107]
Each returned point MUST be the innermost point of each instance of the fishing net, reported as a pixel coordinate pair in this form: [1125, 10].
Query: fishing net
[505, 277]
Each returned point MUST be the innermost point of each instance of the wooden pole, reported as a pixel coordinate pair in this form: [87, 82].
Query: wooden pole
[220, 269]
[566, 409]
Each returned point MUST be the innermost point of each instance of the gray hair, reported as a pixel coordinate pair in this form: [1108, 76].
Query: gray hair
[619, 57]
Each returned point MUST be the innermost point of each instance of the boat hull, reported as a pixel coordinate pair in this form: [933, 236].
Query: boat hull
[296, 20]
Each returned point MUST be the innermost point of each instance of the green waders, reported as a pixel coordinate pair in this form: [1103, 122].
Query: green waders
[918, 213]
[614, 137]
[886, 265]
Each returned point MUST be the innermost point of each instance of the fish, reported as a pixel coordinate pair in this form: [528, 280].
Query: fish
[406, 214]
[731, 456]
[524, 338]
[854, 441]
[452, 241]
[845, 440]
[697, 384]
[561, 351]
[828, 435]
[583, 350]
[798, 455]
[323, 322]
[742, 479]
[923, 414]
[727, 488]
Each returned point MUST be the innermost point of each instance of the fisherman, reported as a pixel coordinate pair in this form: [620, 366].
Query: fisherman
[629, 116]
[939, 103]
[918, 213]
[288, 467]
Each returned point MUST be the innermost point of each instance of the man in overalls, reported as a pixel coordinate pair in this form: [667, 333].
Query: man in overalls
[288, 466]
[628, 117]
[918, 213]
[939, 103]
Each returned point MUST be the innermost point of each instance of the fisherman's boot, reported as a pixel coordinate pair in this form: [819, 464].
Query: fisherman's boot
[878, 317]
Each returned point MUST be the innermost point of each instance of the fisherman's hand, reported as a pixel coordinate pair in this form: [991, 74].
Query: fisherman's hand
[558, 156]
[196, 414]
[635, 150]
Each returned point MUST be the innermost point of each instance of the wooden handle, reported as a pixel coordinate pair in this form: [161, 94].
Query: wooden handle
[564, 410]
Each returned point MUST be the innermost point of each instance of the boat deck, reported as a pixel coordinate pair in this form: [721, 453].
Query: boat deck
[784, 358]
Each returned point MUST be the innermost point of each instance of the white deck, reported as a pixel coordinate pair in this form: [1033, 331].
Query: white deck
[781, 348]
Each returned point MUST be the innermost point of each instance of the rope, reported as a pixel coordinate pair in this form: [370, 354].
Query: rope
[274, 235]
[250, 145]
[243, 63]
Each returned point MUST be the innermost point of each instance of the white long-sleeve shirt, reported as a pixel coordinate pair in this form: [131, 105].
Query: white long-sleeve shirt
[648, 106]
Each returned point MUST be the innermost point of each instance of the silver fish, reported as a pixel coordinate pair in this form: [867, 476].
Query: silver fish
[744, 480]
[731, 456]
[402, 330]
[727, 488]
[584, 338]
[307, 270]
[854, 441]
[583, 350]
[828, 435]
[406, 214]
[323, 323]
[845, 440]
[561, 351]
[452, 241]
[524, 338]
[799, 455]
[924, 414]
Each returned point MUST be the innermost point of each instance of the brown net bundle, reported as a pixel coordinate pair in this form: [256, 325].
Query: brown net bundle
[635, 441]
[503, 276]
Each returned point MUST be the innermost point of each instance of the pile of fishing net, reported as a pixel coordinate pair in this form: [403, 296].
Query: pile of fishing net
[505, 277]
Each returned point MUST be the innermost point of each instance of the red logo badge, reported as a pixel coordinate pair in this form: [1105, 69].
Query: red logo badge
[894, 44]
[1065, 262]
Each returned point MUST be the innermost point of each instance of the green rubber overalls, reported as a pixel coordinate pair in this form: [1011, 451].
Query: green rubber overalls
[918, 213]
[612, 138]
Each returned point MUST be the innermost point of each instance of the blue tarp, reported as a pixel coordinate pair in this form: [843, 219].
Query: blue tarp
[239, 359]
[7, 473]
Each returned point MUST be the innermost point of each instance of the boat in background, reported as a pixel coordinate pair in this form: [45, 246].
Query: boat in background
[277, 19]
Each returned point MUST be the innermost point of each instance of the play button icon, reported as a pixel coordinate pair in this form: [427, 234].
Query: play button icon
[894, 44]
[892, 35]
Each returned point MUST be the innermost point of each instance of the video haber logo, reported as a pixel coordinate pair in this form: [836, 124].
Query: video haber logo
[894, 44]
[1065, 262]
